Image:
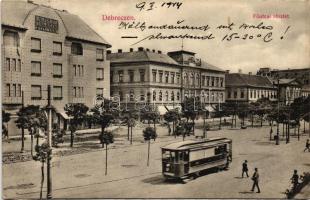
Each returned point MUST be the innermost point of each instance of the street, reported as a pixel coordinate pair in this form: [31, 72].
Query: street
[82, 175]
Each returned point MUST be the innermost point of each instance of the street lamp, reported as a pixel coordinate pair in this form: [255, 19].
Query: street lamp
[278, 108]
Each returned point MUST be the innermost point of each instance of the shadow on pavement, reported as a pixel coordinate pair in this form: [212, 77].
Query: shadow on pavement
[160, 180]
[246, 192]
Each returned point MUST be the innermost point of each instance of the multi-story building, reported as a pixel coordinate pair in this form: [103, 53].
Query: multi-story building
[289, 89]
[249, 88]
[164, 79]
[43, 46]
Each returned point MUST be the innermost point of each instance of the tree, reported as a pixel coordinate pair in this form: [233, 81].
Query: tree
[57, 135]
[190, 108]
[151, 115]
[172, 116]
[32, 118]
[130, 117]
[6, 117]
[297, 111]
[148, 134]
[104, 115]
[42, 152]
[77, 112]
[106, 138]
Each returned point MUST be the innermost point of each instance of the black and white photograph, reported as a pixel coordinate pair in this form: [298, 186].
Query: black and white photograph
[155, 99]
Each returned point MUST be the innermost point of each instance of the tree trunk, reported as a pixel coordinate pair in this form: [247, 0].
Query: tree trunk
[204, 127]
[252, 120]
[220, 125]
[71, 138]
[31, 145]
[128, 132]
[131, 135]
[193, 126]
[106, 160]
[232, 121]
[304, 126]
[23, 140]
[102, 132]
[298, 130]
[148, 152]
[283, 129]
[261, 121]
[42, 179]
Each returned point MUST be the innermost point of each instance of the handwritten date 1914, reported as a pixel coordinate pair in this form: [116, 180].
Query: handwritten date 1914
[152, 5]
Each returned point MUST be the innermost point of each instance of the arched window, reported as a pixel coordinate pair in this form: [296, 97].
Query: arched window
[154, 95]
[172, 96]
[167, 96]
[160, 96]
[76, 48]
[10, 38]
[131, 95]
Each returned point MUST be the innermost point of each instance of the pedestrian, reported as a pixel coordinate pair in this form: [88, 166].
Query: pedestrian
[294, 179]
[245, 168]
[307, 146]
[255, 179]
[169, 128]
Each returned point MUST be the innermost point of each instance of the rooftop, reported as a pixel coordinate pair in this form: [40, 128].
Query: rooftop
[237, 79]
[15, 13]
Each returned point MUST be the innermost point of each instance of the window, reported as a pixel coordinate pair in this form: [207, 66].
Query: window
[99, 91]
[36, 93]
[242, 94]
[178, 96]
[57, 70]
[78, 92]
[251, 94]
[172, 78]
[212, 81]
[35, 68]
[197, 80]
[57, 48]
[235, 94]
[100, 73]
[203, 80]
[76, 49]
[154, 95]
[10, 39]
[221, 82]
[13, 66]
[166, 77]
[154, 76]
[142, 96]
[160, 96]
[131, 95]
[19, 66]
[121, 96]
[13, 90]
[7, 64]
[81, 70]
[142, 75]
[99, 54]
[131, 76]
[35, 45]
[172, 96]
[160, 77]
[192, 79]
[57, 92]
[167, 96]
[120, 76]
[78, 70]
[8, 90]
[208, 80]
[178, 78]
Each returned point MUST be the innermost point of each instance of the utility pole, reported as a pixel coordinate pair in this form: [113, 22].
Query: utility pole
[23, 131]
[49, 142]
[278, 108]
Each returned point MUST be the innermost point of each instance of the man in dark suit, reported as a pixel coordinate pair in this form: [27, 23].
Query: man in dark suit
[255, 179]
[245, 168]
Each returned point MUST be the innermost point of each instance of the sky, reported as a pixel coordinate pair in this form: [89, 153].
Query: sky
[293, 51]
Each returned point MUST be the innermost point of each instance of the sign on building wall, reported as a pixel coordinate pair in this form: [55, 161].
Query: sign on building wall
[46, 24]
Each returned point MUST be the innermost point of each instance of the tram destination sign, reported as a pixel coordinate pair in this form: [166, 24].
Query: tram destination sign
[46, 24]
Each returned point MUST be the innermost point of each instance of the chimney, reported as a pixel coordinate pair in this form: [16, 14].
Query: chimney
[119, 51]
[227, 71]
[140, 49]
[153, 50]
[159, 52]
[147, 49]
[109, 52]
[240, 71]
[250, 73]
[131, 49]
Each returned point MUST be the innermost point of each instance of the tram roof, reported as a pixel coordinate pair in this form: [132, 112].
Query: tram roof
[195, 143]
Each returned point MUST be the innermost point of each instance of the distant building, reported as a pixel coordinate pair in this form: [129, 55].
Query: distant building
[164, 79]
[43, 46]
[249, 88]
[289, 89]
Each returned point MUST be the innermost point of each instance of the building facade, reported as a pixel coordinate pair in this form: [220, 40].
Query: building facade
[164, 79]
[43, 46]
[249, 88]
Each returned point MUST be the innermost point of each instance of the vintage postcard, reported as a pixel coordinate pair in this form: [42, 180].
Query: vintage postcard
[155, 99]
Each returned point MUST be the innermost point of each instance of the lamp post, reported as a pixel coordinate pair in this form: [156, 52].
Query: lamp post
[49, 143]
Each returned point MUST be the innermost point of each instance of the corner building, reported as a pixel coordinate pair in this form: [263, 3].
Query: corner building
[43, 46]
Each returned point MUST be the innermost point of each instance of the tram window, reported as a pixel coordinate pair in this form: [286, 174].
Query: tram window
[184, 155]
[169, 155]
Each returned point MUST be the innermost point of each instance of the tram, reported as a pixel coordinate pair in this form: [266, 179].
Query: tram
[189, 158]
